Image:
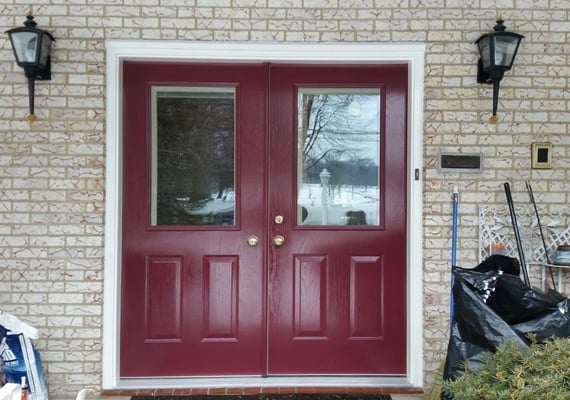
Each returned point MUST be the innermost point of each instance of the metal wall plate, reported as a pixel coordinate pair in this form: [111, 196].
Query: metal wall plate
[542, 155]
[460, 162]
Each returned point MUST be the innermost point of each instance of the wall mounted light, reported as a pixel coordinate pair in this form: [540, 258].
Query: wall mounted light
[497, 52]
[31, 48]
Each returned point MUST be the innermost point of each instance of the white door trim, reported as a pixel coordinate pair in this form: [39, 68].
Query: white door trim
[119, 50]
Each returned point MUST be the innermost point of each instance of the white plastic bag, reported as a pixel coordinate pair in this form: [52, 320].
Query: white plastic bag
[19, 357]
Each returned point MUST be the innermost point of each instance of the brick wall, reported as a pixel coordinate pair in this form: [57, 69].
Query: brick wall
[52, 171]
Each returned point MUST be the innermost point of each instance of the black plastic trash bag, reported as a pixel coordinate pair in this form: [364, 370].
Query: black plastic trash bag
[494, 306]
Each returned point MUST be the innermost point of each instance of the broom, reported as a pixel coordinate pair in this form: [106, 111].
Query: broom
[435, 393]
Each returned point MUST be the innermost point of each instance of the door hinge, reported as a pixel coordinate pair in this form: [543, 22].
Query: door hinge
[417, 174]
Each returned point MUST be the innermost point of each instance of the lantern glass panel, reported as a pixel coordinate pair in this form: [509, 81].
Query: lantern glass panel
[505, 49]
[46, 44]
[485, 51]
[25, 46]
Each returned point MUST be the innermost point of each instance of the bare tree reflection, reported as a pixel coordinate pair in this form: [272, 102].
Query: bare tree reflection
[195, 157]
[332, 137]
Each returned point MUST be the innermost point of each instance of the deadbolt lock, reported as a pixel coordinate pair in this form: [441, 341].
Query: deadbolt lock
[278, 219]
[278, 240]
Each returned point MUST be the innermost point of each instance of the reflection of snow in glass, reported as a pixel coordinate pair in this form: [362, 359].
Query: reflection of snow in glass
[342, 202]
[216, 211]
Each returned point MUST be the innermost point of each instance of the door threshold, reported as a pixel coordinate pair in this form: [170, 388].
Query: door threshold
[243, 385]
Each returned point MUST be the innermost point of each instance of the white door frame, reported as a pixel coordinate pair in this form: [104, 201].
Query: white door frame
[118, 51]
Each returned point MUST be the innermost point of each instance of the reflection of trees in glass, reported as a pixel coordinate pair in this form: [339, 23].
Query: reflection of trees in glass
[195, 157]
[339, 132]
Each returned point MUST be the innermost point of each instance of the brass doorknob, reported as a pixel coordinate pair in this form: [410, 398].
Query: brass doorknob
[252, 240]
[278, 240]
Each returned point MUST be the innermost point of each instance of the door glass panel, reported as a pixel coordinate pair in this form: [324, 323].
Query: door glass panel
[193, 161]
[338, 156]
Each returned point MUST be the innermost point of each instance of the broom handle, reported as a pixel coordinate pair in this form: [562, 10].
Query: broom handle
[531, 195]
[453, 251]
[544, 246]
[517, 235]
[454, 227]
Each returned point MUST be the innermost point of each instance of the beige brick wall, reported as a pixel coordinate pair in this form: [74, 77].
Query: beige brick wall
[52, 171]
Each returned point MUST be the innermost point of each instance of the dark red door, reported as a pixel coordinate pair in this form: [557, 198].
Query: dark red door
[337, 284]
[264, 220]
[193, 170]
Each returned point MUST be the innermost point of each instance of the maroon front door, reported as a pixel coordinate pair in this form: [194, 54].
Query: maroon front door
[337, 288]
[264, 220]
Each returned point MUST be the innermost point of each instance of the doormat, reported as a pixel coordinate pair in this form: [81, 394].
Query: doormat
[273, 397]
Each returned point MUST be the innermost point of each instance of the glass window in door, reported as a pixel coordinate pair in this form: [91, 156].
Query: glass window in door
[338, 156]
[193, 156]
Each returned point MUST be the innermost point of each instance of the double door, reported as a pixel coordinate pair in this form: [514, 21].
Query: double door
[263, 220]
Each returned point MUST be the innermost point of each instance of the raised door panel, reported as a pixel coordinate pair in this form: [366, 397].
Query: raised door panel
[310, 298]
[163, 299]
[221, 297]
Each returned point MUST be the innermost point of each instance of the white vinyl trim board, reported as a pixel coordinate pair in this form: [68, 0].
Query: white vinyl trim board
[118, 51]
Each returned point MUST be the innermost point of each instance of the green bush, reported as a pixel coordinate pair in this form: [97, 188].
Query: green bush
[539, 372]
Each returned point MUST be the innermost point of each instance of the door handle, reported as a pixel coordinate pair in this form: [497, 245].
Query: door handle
[278, 240]
[252, 240]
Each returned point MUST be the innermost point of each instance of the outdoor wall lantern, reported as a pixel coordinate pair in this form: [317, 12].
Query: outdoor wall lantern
[31, 48]
[497, 52]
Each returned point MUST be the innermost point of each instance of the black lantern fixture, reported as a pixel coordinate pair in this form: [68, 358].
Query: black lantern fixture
[497, 52]
[31, 48]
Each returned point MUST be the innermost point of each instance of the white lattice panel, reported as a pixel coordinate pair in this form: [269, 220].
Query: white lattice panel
[495, 227]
